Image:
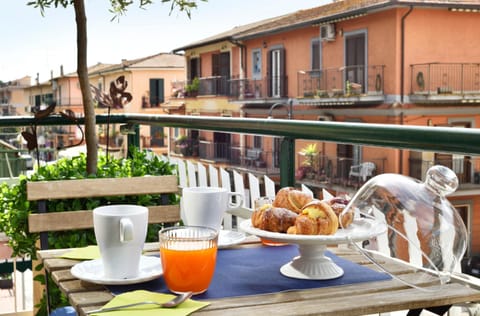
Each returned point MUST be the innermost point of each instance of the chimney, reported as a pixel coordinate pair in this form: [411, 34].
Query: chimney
[37, 80]
[61, 70]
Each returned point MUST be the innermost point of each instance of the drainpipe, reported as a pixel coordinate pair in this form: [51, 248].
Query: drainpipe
[402, 77]
[402, 54]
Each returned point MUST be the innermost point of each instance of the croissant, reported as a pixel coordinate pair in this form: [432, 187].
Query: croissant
[274, 219]
[317, 218]
[338, 205]
[292, 199]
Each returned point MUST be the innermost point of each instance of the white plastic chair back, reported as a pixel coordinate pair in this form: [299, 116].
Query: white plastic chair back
[307, 190]
[269, 187]
[182, 172]
[240, 187]
[192, 174]
[227, 218]
[202, 175]
[254, 186]
[213, 176]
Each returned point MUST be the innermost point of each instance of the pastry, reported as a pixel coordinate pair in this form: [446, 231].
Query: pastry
[316, 218]
[292, 199]
[338, 205]
[274, 219]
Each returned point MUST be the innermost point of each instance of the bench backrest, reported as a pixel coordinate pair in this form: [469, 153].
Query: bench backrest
[42, 191]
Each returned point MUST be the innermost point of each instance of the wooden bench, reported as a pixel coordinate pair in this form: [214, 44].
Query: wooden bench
[43, 191]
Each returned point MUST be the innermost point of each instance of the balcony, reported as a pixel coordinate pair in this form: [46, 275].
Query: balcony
[258, 90]
[445, 83]
[207, 86]
[342, 86]
[232, 155]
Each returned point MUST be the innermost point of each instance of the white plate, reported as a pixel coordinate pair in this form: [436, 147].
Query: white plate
[228, 238]
[312, 263]
[92, 271]
[361, 229]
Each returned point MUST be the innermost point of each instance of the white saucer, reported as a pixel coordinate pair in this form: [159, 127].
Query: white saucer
[92, 271]
[228, 238]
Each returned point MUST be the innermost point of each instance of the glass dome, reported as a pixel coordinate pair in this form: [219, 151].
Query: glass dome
[424, 229]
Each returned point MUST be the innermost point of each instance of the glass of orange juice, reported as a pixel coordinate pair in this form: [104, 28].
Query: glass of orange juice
[188, 255]
[265, 201]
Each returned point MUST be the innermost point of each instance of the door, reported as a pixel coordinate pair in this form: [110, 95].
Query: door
[276, 73]
[221, 143]
[221, 70]
[344, 160]
[355, 60]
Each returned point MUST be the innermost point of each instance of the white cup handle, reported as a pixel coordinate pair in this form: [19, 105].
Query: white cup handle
[238, 200]
[126, 230]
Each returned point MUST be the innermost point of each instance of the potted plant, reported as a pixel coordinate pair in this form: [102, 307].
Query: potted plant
[182, 145]
[310, 152]
[192, 89]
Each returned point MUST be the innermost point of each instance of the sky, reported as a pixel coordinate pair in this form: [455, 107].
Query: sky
[34, 44]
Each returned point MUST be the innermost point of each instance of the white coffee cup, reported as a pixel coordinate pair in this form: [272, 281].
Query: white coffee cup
[120, 231]
[206, 206]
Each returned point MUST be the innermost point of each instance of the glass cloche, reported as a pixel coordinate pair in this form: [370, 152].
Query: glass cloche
[424, 229]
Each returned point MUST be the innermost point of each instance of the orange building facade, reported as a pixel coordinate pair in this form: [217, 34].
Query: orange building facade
[392, 62]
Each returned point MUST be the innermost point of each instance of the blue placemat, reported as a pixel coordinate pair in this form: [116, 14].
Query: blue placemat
[250, 271]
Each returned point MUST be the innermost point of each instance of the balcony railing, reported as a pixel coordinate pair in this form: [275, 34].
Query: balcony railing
[259, 89]
[343, 82]
[457, 82]
[419, 138]
[215, 85]
[230, 154]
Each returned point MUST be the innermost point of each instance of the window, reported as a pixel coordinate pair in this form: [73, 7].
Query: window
[256, 64]
[157, 94]
[316, 54]
[156, 133]
[194, 69]
[257, 141]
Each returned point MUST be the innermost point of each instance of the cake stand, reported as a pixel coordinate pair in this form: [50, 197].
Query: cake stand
[312, 263]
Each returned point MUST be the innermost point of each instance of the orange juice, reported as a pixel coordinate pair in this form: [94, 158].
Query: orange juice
[188, 270]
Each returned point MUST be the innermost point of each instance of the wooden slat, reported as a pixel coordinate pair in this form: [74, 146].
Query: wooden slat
[65, 189]
[71, 220]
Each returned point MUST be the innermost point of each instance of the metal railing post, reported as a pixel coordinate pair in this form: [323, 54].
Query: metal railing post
[133, 139]
[287, 162]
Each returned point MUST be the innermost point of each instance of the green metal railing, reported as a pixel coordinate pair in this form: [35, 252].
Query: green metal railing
[436, 139]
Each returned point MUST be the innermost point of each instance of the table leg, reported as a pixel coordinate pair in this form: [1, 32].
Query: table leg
[438, 310]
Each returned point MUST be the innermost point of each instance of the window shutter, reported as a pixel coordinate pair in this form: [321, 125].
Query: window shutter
[157, 93]
[269, 73]
[283, 76]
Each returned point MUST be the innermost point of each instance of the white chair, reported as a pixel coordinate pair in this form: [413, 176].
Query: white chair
[254, 186]
[192, 174]
[307, 190]
[239, 186]
[363, 170]
[270, 190]
[213, 176]
[225, 179]
[202, 175]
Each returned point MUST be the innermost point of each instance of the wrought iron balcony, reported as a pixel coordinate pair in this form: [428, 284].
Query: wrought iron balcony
[259, 89]
[445, 82]
[352, 84]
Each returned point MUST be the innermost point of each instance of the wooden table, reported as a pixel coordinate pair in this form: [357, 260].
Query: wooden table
[354, 299]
